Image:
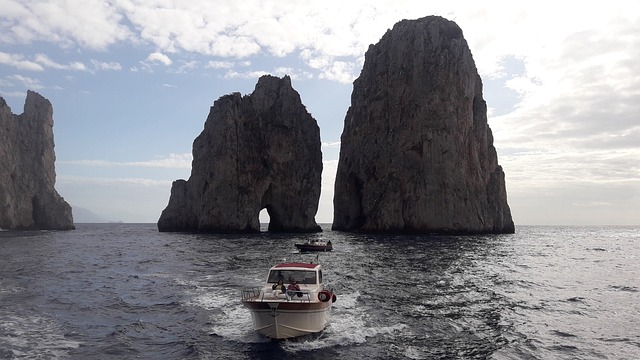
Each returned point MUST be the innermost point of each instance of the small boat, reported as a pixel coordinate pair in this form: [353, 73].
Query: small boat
[315, 245]
[302, 307]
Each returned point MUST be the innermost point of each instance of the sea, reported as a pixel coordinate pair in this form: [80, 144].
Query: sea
[127, 291]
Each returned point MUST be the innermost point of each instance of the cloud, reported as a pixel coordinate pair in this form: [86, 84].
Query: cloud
[340, 71]
[94, 24]
[295, 74]
[199, 27]
[106, 66]
[331, 145]
[187, 66]
[41, 62]
[65, 180]
[220, 65]
[232, 74]
[13, 94]
[17, 61]
[47, 62]
[25, 81]
[159, 58]
[174, 161]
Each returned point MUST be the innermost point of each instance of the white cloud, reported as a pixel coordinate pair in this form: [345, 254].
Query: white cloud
[295, 74]
[94, 24]
[18, 61]
[339, 71]
[107, 66]
[13, 94]
[332, 69]
[220, 64]
[187, 66]
[227, 64]
[27, 82]
[40, 62]
[47, 62]
[159, 58]
[103, 181]
[331, 145]
[232, 74]
[174, 161]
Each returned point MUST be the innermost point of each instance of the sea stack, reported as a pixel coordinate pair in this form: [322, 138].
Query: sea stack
[259, 151]
[28, 198]
[417, 154]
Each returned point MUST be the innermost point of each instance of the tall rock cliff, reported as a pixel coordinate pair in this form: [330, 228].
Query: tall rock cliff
[255, 152]
[28, 199]
[417, 154]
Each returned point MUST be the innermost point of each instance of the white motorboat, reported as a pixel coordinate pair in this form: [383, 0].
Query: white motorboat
[293, 302]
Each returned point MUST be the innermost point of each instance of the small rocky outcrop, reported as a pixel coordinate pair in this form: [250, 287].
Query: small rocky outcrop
[260, 151]
[416, 152]
[28, 198]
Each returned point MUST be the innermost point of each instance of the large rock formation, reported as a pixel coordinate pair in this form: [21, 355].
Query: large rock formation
[255, 152]
[417, 154]
[28, 199]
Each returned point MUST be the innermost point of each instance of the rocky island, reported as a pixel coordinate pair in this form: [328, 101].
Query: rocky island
[417, 154]
[259, 151]
[28, 198]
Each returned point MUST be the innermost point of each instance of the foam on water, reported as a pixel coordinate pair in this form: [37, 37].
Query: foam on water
[33, 337]
[349, 325]
[229, 319]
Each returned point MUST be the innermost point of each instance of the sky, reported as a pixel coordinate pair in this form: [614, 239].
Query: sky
[132, 81]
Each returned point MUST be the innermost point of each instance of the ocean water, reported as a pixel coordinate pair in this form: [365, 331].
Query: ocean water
[125, 291]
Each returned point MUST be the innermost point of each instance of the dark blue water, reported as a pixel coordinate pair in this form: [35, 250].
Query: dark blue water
[119, 291]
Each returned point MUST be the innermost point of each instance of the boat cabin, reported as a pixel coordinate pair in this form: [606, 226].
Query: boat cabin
[302, 273]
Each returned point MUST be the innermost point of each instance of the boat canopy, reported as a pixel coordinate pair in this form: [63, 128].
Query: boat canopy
[298, 264]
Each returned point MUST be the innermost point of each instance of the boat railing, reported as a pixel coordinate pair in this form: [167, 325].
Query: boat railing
[252, 293]
[259, 294]
[305, 295]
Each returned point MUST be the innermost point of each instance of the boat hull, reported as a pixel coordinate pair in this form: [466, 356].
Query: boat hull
[283, 320]
[310, 248]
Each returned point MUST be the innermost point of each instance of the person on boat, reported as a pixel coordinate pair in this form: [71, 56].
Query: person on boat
[279, 286]
[294, 288]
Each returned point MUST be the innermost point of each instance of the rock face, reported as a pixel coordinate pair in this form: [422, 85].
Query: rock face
[28, 199]
[255, 152]
[416, 152]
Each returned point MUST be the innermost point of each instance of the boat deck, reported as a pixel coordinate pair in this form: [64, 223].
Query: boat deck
[260, 295]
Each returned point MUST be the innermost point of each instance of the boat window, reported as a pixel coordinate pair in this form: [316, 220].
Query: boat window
[301, 276]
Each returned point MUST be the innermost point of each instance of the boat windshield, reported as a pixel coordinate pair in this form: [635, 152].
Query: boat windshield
[301, 276]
